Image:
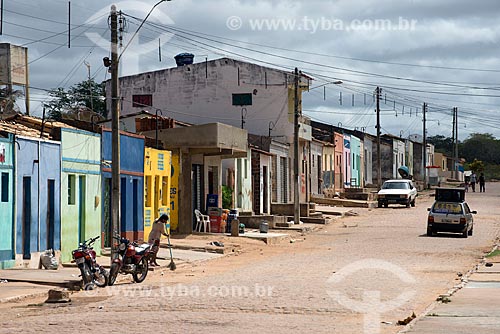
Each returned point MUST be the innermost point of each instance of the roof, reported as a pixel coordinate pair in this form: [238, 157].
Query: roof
[21, 130]
[223, 60]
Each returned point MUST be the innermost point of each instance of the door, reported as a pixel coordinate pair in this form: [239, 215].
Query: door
[50, 213]
[26, 217]
[81, 208]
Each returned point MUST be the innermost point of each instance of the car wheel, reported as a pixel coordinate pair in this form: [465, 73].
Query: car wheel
[379, 204]
[471, 231]
[465, 233]
[430, 233]
[407, 204]
[386, 205]
[413, 203]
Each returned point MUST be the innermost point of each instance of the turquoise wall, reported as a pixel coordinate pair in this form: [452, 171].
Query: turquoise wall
[6, 202]
[80, 215]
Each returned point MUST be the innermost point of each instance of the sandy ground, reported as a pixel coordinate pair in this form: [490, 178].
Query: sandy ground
[360, 274]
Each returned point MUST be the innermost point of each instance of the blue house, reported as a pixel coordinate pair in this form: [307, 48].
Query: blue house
[131, 186]
[38, 197]
[356, 178]
[6, 200]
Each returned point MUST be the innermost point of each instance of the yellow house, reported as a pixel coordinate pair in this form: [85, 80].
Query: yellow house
[174, 189]
[157, 178]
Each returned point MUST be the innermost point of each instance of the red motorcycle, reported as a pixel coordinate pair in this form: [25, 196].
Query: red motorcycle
[132, 259]
[91, 272]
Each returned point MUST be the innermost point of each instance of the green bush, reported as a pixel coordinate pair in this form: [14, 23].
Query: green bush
[227, 197]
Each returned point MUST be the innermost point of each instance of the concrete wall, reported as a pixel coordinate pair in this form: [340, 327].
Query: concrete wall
[131, 185]
[347, 161]
[39, 161]
[356, 161]
[174, 192]
[328, 168]
[399, 157]
[316, 168]
[203, 92]
[339, 161]
[7, 202]
[243, 184]
[281, 172]
[368, 160]
[409, 156]
[81, 218]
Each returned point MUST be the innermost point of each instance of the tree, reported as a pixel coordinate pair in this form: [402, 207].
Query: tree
[84, 96]
[477, 166]
[8, 98]
[481, 146]
[442, 144]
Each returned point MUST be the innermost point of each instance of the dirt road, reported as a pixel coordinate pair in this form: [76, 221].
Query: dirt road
[359, 275]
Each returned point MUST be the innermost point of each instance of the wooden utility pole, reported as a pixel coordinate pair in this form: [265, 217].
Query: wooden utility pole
[456, 143]
[115, 134]
[424, 111]
[296, 129]
[378, 91]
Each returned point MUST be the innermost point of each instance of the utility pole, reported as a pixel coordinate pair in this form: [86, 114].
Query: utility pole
[90, 86]
[453, 140]
[296, 195]
[424, 111]
[456, 143]
[115, 127]
[378, 91]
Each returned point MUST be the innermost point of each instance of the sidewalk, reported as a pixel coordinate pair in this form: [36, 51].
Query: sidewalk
[473, 309]
[17, 284]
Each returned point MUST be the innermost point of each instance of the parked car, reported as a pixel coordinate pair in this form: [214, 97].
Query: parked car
[398, 191]
[450, 213]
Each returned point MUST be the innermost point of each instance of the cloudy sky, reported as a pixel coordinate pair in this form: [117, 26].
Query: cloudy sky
[442, 52]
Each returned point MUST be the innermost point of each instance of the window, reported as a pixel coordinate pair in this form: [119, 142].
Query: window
[5, 187]
[71, 189]
[141, 101]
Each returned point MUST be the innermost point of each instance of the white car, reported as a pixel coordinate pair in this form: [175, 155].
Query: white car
[398, 191]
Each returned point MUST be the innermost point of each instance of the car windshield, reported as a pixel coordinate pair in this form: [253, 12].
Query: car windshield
[448, 208]
[395, 185]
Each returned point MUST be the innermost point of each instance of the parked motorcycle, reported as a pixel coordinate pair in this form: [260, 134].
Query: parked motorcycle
[91, 272]
[132, 259]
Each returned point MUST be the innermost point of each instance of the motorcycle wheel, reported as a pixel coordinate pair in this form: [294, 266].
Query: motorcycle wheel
[113, 272]
[101, 277]
[141, 270]
[86, 275]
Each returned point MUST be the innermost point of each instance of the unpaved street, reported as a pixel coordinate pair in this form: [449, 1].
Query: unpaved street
[359, 274]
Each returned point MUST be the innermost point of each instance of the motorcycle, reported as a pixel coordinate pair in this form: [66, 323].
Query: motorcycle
[132, 258]
[85, 258]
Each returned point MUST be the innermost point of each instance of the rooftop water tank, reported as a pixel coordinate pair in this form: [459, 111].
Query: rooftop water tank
[184, 59]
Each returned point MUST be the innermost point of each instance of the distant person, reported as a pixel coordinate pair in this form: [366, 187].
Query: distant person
[482, 181]
[473, 180]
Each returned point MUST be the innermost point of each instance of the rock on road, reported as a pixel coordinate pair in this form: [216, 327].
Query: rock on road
[358, 275]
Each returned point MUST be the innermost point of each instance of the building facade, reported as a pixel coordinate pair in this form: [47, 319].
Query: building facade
[7, 161]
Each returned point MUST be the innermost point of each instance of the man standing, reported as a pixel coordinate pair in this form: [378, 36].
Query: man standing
[473, 180]
[482, 181]
[154, 237]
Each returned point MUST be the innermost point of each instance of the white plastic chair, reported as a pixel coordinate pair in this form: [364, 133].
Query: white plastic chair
[202, 221]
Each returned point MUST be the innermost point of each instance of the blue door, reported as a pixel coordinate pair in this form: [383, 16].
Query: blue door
[26, 217]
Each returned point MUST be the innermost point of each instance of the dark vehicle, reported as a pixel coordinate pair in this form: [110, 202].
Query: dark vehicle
[85, 258]
[450, 213]
[132, 259]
